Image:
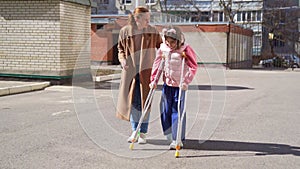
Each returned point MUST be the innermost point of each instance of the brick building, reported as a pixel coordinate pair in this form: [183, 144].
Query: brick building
[216, 44]
[45, 38]
[247, 13]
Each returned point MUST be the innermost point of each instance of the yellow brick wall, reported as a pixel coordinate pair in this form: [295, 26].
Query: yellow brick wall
[75, 27]
[42, 37]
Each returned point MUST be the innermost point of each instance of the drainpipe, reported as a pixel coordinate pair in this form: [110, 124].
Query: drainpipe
[228, 46]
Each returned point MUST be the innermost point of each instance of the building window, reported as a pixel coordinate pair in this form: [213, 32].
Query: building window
[299, 25]
[150, 2]
[239, 16]
[100, 26]
[195, 19]
[215, 16]
[248, 16]
[278, 42]
[258, 16]
[244, 16]
[254, 16]
[103, 1]
[204, 16]
[126, 2]
[221, 17]
[257, 40]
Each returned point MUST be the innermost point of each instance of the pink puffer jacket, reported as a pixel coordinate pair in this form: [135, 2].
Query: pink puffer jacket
[172, 66]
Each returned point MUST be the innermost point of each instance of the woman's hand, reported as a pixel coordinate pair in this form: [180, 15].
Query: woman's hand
[123, 64]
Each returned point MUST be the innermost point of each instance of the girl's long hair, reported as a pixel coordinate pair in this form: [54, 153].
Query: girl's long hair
[136, 13]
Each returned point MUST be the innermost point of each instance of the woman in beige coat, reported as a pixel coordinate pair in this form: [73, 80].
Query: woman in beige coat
[136, 46]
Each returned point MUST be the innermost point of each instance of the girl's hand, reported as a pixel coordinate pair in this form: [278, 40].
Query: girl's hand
[184, 86]
[152, 85]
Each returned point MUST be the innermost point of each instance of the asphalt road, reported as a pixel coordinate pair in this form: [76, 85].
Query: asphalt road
[235, 119]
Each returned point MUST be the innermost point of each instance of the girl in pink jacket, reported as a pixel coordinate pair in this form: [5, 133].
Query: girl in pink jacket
[172, 50]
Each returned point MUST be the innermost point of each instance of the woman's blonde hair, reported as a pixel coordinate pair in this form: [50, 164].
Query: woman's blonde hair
[138, 11]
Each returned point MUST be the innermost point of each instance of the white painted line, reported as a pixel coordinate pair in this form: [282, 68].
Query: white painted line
[60, 112]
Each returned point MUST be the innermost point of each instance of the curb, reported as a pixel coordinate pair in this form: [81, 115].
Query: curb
[23, 88]
[42, 85]
[106, 77]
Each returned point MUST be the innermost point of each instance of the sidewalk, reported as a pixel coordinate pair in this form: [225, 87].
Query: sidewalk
[8, 86]
[14, 87]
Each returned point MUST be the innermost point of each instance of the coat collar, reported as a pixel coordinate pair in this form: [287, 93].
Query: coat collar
[146, 37]
[146, 31]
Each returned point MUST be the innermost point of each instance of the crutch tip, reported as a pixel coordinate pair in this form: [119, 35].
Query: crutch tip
[176, 154]
[131, 146]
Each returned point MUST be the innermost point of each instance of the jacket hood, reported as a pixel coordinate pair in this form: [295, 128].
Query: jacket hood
[164, 47]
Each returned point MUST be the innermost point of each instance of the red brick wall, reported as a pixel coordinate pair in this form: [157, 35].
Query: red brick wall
[101, 42]
[225, 28]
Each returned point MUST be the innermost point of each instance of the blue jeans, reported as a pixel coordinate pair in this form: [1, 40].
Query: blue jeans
[169, 111]
[136, 110]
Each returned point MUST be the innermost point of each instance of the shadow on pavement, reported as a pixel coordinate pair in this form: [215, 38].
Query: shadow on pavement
[218, 87]
[235, 146]
[115, 86]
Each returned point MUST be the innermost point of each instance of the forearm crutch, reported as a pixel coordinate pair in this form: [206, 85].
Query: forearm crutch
[180, 114]
[147, 103]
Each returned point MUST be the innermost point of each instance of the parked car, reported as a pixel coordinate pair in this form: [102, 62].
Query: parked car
[292, 60]
[266, 62]
[285, 61]
[274, 62]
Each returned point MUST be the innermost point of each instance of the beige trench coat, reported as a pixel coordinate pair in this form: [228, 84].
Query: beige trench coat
[149, 42]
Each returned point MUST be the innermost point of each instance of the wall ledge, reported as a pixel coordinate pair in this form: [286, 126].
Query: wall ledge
[83, 2]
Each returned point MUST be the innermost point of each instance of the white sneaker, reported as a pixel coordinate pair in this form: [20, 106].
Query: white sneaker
[129, 140]
[142, 139]
[173, 145]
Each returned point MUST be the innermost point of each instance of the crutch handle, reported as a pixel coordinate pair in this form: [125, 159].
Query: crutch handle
[152, 85]
[183, 55]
